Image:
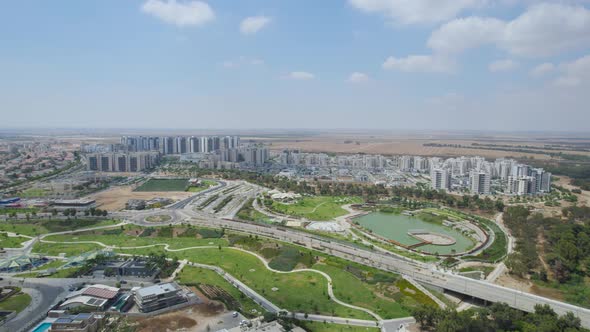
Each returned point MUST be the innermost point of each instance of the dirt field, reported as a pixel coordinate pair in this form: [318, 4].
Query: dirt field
[407, 144]
[194, 319]
[583, 199]
[114, 199]
[525, 285]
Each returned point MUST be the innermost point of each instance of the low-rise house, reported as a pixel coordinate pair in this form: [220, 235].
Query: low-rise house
[84, 322]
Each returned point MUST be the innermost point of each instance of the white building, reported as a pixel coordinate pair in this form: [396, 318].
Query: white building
[441, 179]
[480, 182]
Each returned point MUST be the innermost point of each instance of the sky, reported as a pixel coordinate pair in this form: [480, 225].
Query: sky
[509, 65]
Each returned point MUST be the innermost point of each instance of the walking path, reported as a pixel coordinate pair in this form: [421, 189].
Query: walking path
[167, 248]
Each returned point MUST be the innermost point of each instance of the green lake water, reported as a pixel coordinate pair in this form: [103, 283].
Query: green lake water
[396, 226]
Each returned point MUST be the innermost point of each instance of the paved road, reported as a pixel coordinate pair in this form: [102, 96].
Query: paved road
[418, 271]
[45, 293]
[385, 261]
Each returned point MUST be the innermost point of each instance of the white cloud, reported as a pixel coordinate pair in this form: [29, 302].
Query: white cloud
[503, 65]
[574, 73]
[417, 11]
[179, 13]
[542, 69]
[419, 63]
[542, 30]
[253, 24]
[465, 33]
[357, 77]
[300, 75]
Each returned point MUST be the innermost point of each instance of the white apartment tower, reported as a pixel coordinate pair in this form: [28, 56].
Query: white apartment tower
[480, 182]
[441, 179]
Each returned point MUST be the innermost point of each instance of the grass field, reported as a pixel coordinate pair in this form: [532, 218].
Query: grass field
[315, 208]
[33, 192]
[302, 291]
[328, 327]
[205, 184]
[159, 218]
[248, 213]
[17, 302]
[131, 237]
[73, 249]
[7, 211]
[36, 227]
[384, 293]
[11, 241]
[194, 276]
[163, 185]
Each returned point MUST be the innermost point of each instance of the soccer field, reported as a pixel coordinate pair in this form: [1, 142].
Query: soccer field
[164, 185]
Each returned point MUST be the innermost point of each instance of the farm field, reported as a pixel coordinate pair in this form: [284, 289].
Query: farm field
[409, 144]
[320, 208]
[153, 185]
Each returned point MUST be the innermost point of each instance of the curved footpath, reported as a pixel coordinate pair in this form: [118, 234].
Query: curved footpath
[167, 248]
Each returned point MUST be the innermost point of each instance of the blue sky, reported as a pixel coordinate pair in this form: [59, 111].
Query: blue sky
[386, 64]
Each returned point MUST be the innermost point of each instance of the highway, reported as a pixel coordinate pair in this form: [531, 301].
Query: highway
[388, 262]
[421, 272]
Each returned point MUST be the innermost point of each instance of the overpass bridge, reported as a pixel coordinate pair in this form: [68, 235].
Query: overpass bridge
[421, 272]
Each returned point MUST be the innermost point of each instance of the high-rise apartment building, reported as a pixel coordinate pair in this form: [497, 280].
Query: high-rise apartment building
[441, 179]
[480, 182]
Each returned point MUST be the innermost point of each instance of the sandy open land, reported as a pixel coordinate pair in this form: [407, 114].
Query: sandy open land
[114, 199]
[393, 144]
[583, 199]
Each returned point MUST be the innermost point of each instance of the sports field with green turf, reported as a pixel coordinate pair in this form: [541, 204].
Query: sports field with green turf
[164, 185]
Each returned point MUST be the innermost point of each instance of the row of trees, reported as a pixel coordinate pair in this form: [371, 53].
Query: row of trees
[497, 317]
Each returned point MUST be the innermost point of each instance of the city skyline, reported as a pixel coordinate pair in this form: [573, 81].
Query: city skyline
[347, 64]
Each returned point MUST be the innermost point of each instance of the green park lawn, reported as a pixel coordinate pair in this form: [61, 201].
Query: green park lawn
[36, 227]
[248, 213]
[69, 249]
[33, 192]
[194, 276]
[133, 236]
[328, 327]
[17, 302]
[300, 291]
[164, 185]
[205, 184]
[350, 289]
[8, 211]
[11, 241]
[382, 292]
[319, 208]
